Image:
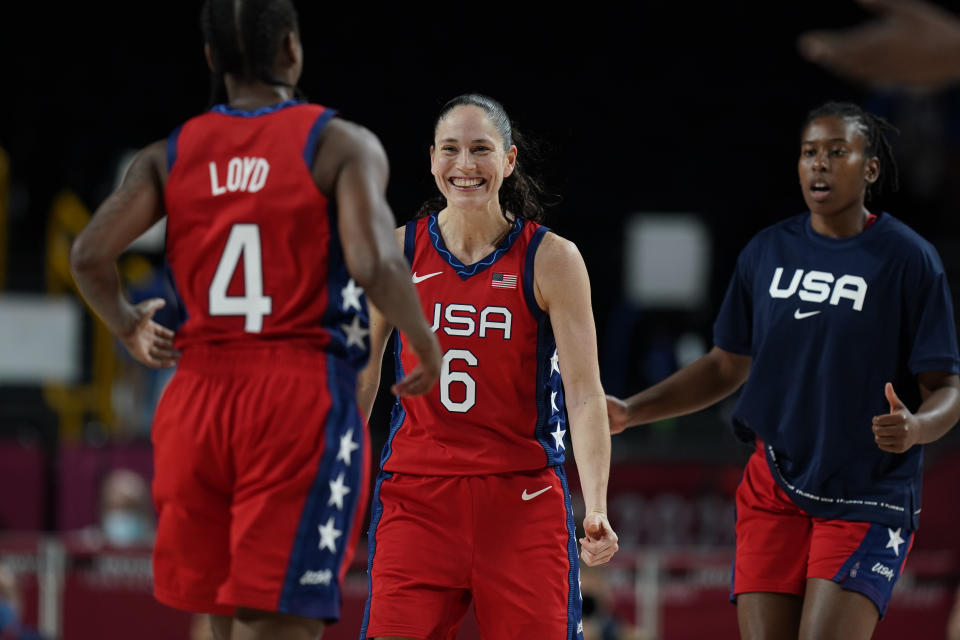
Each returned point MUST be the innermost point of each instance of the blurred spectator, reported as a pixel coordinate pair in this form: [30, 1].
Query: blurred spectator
[599, 619]
[10, 608]
[127, 517]
[126, 511]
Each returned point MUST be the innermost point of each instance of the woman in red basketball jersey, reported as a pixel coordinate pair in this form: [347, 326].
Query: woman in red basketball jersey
[260, 452]
[472, 500]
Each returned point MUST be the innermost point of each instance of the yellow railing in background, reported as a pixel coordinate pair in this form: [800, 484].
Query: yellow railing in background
[73, 403]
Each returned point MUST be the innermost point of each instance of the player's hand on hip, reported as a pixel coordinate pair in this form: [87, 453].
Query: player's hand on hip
[599, 542]
[425, 374]
[149, 342]
[898, 430]
[617, 414]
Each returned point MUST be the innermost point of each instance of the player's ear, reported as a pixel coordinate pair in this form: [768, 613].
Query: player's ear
[510, 159]
[208, 54]
[292, 48]
[871, 171]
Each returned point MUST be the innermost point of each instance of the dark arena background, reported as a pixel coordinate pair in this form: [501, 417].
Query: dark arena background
[668, 132]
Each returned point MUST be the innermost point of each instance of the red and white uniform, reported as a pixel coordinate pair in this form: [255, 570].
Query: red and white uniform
[259, 448]
[482, 454]
[483, 415]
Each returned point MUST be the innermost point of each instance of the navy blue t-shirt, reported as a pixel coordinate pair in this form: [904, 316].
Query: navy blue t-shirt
[827, 323]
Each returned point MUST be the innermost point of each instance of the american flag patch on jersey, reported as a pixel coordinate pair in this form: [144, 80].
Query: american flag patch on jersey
[503, 280]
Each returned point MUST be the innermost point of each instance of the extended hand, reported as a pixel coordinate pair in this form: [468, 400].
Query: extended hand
[148, 342]
[600, 542]
[898, 430]
[424, 376]
[617, 414]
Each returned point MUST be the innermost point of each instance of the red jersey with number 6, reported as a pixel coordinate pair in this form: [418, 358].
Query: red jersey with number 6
[251, 241]
[498, 406]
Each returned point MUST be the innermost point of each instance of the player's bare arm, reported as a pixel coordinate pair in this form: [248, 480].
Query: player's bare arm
[706, 381]
[910, 42]
[368, 381]
[939, 411]
[352, 165]
[562, 288]
[132, 209]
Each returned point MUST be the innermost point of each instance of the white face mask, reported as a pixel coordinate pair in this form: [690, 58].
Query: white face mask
[124, 528]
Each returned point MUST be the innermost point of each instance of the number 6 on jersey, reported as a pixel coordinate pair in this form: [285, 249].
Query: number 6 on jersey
[448, 377]
[253, 305]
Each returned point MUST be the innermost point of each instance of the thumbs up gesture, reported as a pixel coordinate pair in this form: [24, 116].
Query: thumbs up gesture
[896, 431]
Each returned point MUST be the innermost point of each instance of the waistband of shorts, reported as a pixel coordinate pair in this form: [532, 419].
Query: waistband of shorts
[252, 358]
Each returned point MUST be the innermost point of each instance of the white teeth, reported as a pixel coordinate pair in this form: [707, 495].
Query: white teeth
[467, 182]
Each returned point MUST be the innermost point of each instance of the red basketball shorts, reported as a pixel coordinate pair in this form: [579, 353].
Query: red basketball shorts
[779, 546]
[505, 541]
[261, 461]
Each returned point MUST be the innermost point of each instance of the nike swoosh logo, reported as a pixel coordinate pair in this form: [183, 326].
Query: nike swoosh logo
[531, 496]
[416, 279]
[806, 314]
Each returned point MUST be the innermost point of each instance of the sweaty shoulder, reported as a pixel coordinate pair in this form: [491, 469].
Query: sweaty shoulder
[555, 250]
[341, 143]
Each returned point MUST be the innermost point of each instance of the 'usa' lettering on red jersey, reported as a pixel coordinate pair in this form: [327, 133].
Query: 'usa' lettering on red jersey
[498, 405]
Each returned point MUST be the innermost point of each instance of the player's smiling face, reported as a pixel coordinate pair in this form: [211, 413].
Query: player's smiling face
[834, 168]
[468, 159]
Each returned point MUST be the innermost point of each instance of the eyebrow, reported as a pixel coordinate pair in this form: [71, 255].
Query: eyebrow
[830, 140]
[474, 141]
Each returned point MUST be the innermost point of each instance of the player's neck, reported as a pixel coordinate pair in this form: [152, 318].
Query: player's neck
[842, 224]
[249, 96]
[471, 234]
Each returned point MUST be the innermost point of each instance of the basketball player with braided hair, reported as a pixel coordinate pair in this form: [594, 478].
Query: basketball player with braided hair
[839, 324]
[277, 232]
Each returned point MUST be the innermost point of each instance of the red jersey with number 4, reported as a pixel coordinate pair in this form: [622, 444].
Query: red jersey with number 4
[498, 406]
[251, 241]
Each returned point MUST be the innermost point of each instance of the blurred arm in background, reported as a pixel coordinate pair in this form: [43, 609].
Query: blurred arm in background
[910, 43]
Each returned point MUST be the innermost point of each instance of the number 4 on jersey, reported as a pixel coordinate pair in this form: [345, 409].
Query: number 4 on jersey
[253, 305]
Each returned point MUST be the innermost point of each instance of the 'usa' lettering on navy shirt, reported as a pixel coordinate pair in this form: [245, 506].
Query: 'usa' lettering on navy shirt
[827, 322]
